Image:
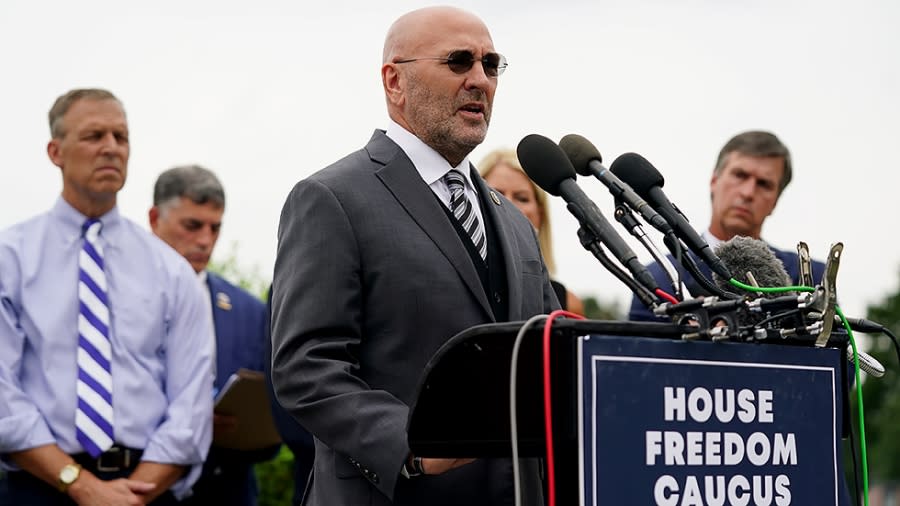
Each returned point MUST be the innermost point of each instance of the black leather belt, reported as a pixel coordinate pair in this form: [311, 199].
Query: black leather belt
[115, 459]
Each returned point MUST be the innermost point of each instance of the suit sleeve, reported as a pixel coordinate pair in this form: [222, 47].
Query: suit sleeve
[641, 313]
[317, 315]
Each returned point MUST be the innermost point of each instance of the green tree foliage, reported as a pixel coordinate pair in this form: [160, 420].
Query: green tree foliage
[276, 479]
[251, 280]
[881, 400]
[596, 309]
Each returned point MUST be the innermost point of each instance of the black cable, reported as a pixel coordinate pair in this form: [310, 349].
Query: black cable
[688, 263]
[777, 316]
[890, 334]
[592, 244]
[625, 216]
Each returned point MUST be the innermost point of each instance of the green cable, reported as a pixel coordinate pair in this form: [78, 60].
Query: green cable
[773, 289]
[859, 402]
[859, 398]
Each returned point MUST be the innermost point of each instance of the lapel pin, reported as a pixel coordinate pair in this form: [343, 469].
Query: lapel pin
[223, 301]
[495, 198]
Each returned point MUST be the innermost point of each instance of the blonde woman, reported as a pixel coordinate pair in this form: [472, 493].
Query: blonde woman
[502, 171]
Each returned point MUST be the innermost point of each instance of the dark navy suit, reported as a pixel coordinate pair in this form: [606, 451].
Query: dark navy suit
[242, 330]
[639, 312]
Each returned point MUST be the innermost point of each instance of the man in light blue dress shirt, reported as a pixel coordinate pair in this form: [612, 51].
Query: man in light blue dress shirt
[159, 334]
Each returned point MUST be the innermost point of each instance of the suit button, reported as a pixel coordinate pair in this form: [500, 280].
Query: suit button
[375, 478]
[497, 297]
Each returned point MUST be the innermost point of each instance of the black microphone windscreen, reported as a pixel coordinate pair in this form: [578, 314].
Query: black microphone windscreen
[544, 162]
[580, 152]
[637, 172]
[743, 254]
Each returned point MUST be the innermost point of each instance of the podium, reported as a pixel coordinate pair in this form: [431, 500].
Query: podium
[643, 417]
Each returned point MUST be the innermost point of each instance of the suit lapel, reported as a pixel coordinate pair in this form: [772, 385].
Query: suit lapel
[508, 247]
[216, 293]
[406, 185]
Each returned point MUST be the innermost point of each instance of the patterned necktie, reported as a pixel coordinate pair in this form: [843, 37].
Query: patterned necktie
[461, 207]
[94, 415]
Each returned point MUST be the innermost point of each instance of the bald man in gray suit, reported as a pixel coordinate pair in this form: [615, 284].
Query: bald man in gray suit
[374, 272]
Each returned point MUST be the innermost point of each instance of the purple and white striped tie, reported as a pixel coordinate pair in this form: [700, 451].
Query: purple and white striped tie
[94, 415]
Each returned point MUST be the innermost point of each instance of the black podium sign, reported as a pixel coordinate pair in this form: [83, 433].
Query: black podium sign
[674, 423]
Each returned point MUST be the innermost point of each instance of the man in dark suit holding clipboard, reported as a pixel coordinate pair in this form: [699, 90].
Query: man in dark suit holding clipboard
[188, 204]
[380, 262]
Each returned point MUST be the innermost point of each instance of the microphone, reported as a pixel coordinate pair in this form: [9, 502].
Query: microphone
[547, 165]
[748, 258]
[744, 255]
[647, 182]
[586, 159]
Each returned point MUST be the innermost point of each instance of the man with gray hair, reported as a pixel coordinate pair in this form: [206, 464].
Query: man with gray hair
[188, 204]
[751, 172]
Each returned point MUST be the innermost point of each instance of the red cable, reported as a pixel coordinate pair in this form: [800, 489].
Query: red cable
[669, 298]
[548, 405]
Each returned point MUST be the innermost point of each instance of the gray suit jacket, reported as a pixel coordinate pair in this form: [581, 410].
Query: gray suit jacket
[370, 280]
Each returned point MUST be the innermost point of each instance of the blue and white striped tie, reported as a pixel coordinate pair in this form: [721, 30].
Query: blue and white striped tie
[461, 207]
[94, 415]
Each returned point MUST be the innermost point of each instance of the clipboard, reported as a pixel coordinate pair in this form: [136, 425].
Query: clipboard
[244, 396]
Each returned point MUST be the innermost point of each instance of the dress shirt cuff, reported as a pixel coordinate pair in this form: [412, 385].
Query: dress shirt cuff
[178, 448]
[182, 488]
[22, 432]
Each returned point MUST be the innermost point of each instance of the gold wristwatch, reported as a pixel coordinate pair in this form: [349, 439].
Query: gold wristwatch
[67, 476]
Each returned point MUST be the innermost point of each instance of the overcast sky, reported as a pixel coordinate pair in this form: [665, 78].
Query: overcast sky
[267, 92]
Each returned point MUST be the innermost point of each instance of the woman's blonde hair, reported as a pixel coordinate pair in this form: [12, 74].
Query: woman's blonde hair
[508, 157]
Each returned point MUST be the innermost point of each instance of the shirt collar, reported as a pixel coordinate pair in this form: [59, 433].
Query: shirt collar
[713, 241]
[72, 220]
[430, 164]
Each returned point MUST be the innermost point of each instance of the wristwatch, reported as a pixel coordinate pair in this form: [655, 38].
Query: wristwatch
[67, 476]
[412, 467]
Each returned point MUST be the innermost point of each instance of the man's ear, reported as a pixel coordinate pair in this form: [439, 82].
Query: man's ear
[393, 84]
[153, 214]
[53, 152]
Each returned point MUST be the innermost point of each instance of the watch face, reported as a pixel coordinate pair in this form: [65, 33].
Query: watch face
[68, 474]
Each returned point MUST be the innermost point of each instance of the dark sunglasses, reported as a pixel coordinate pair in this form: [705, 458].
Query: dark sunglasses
[461, 61]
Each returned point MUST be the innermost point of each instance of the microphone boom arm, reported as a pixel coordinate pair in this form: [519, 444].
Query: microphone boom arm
[625, 216]
[590, 242]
